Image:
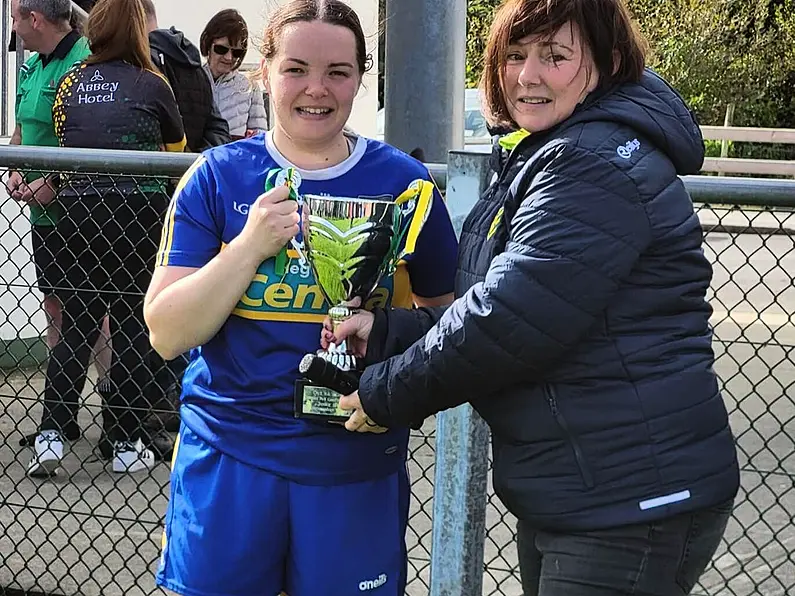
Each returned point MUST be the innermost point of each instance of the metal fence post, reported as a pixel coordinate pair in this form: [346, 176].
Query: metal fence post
[424, 80]
[5, 31]
[459, 505]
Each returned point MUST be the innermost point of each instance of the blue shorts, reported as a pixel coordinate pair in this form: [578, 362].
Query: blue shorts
[235, 530]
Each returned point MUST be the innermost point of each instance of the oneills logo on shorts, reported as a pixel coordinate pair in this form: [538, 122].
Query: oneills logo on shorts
[372, 584]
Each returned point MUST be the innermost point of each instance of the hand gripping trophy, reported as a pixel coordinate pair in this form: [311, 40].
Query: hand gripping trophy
[351, 244]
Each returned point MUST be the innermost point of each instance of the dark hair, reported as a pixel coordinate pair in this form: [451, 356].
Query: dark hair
[228, 23]
[605, 27]
[76, 21]
[333, 12]
[116, 30]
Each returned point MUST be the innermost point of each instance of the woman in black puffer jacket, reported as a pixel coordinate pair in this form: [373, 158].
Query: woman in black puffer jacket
[581, 328]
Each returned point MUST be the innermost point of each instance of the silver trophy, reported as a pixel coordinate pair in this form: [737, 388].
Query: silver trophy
[351, 244]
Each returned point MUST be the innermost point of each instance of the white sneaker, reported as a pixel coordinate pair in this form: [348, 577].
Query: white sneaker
[49, 452]
[132, 457]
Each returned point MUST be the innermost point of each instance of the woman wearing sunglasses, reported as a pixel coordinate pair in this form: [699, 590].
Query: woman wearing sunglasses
[223, 43]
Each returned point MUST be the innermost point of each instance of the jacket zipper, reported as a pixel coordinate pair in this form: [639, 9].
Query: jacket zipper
[585, 471]
[513, 156]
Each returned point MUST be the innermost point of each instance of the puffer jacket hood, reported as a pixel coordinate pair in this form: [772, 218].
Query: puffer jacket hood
[655, 110]
[173, 44]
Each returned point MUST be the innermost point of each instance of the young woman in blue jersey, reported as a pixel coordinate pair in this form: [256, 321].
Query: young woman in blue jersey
[263, 502]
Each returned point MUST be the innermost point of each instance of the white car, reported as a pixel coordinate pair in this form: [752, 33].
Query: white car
[476, 135]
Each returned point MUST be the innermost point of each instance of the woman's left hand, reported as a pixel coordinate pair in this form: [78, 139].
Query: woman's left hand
[359, 421]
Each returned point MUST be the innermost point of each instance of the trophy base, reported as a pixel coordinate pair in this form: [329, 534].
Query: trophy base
[313, 397]
[317, 402]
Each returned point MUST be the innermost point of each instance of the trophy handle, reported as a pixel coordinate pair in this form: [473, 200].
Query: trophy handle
[421, 191]
[299, 248]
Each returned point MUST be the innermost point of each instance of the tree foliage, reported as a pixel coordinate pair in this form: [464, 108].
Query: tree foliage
[479, 16]
[715, 52]
[721, 52]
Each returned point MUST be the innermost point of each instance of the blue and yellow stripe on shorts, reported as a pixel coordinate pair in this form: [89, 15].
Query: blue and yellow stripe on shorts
[163, 539]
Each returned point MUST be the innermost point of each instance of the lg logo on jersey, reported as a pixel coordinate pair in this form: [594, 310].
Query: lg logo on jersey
[241, 208]
[372, 584]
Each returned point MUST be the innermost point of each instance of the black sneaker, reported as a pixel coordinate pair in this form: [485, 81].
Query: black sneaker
[72, 433]
[171, 422]
[165, 411]
[162, 445]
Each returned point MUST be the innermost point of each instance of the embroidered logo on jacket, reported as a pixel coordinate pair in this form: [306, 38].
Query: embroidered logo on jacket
[627, 149]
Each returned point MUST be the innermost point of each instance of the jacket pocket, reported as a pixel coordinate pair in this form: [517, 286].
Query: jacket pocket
[570, 437]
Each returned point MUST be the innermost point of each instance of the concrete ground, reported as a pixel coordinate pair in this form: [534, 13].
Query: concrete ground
[90, 532]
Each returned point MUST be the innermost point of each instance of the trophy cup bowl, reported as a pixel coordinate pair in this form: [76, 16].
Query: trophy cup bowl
[351, 244]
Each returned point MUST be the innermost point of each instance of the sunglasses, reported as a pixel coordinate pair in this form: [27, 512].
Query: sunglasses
[221, 50]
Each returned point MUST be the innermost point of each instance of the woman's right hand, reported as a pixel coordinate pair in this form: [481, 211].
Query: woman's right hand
[272, 221]
[356, 330]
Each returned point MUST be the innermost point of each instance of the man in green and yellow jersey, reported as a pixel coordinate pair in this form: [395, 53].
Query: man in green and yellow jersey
[45, 30]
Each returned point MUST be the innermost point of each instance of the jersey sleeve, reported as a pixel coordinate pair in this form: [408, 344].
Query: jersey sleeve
[18, 97]
[62, 94]
[171, 127]
[191, 232]
[433, 264]
[21, 76]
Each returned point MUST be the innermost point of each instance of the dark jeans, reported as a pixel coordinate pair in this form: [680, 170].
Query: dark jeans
[662, 558]
[110, 243]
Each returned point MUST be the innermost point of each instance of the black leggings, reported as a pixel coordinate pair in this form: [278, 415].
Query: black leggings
[68, 364]
[110, 244]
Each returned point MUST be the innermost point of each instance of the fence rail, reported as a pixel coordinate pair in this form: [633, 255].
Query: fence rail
[741, 165]
[89, 532]
[749, 134]
[723, 165]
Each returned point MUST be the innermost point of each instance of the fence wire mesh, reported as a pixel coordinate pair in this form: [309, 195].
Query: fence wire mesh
[89, 531]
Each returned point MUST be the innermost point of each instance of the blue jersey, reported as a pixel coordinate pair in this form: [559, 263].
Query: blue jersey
[237, 392]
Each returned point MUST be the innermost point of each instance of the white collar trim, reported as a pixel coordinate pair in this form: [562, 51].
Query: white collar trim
[323, 174]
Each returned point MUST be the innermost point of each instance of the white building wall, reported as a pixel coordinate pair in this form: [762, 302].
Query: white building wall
[192, 17]
[20, 302]
[20, 312]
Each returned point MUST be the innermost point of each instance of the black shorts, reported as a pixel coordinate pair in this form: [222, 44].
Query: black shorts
[47, 252]
[110, 240]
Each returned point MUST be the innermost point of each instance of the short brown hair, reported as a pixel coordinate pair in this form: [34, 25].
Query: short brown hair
[228, 23]
[605, 27]
[117, 30]
[333, 12]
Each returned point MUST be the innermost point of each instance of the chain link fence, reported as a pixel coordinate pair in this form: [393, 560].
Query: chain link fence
[88, 531]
